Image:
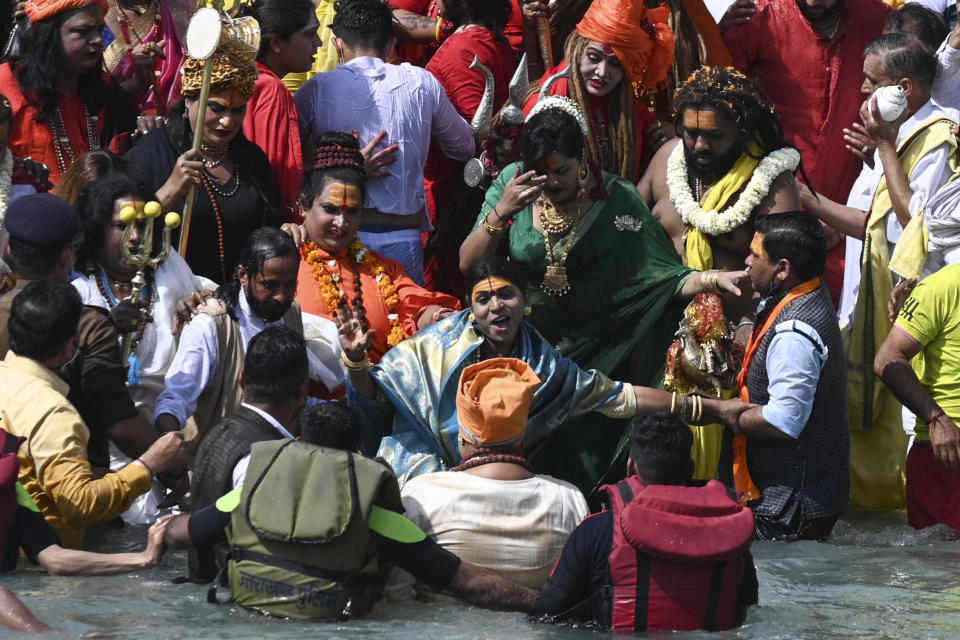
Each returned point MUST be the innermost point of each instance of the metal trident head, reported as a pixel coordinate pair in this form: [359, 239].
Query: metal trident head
[141, 257]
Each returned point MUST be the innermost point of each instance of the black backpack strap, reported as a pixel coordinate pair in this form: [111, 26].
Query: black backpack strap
[713, 596]
[219, 581]
[641, 602]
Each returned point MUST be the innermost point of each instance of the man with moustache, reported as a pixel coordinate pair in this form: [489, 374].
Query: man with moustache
[203, 379]
[701, 185]
[806, 56]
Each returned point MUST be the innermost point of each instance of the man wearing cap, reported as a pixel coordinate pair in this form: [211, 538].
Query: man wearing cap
[54, 467]
[66, 106]
[43, 229]
[491, 509]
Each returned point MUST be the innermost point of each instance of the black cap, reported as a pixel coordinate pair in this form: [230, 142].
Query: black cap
[43, 220]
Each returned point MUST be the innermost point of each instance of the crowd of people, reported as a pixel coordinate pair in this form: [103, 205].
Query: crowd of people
[549, 307]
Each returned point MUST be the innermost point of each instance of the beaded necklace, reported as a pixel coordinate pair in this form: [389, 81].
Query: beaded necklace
[134, 365]
[224, 189]
[480, 459]
[329, 283]
[61, 141]
[219, 218]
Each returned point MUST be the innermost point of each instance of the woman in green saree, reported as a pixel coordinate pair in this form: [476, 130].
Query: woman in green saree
[607, 286]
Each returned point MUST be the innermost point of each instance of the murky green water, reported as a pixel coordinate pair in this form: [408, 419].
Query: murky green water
[877, 578]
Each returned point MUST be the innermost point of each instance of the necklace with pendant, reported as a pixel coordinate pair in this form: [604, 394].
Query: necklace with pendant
[555, 282]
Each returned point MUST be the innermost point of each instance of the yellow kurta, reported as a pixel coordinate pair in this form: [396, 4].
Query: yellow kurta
[53, 461]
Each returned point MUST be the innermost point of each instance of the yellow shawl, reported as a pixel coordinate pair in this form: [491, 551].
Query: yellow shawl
[699, 254]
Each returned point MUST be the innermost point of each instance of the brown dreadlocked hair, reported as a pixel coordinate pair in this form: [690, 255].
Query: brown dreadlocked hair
[732, 93]
[622, 125]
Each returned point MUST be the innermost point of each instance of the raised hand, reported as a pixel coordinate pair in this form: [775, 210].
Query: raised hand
[354, 336]
[739, 13]
[519, 193]
[730, 281]
[373, 163]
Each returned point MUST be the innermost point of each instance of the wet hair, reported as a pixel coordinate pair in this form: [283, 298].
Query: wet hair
[733, 94]
[491, 14]
[314, 181]
[96, 213]
[363, 24]
[660, 447]
[88, 168]
[931, 29]
[275, 365]
[494, 266]
[333, 425]
[42, 53]
[796, 236]
[27, 259]
[265, 243]
[551, 131]
[280, 18]
[904, 55]
[43, 317]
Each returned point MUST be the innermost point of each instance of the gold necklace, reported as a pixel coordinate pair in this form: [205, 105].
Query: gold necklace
[553, 219]
[555, 282]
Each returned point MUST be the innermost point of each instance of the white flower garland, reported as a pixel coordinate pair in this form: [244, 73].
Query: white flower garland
[6, 180]
[714, 223]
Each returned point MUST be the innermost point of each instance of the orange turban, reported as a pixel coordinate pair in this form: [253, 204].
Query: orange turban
[43, 9]
[641, 37]
[493, 401]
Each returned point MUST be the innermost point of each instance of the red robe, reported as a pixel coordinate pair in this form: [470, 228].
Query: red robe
[34, 139]
[272, 124]
[815, 85]
[597, 107]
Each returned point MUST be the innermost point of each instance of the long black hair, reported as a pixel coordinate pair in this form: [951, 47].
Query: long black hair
[42, 44]
[491, 14]
[551, 131]
[265, 243]
[95, 207]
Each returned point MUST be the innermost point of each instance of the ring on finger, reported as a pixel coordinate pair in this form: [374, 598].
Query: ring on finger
[865, 148]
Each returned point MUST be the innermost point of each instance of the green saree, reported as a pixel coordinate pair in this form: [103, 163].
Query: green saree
[619, 316]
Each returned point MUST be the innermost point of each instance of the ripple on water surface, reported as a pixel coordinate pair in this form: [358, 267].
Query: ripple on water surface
[875, 578]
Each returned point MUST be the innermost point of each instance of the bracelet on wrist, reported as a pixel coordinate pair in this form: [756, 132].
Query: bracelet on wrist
[939, 414]
[145, 466]
[492, 230]
[354, 365]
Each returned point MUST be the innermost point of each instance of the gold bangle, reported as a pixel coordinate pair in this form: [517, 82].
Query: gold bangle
[354, 365]
[492, 230]
[673, 403]
[437, 34]
[709, 279]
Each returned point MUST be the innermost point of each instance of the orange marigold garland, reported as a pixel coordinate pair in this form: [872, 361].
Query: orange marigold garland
[330, 292]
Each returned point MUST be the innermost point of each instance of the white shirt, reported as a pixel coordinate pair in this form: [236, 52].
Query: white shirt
[240, 470]
[930, 173]
[515, 527]
[368, 95]
[195, 363]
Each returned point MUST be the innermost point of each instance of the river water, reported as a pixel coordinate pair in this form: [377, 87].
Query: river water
[875, 578]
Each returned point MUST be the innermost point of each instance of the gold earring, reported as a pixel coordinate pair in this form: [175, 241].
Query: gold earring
[471, 317]
[527, 310]
[301, 211]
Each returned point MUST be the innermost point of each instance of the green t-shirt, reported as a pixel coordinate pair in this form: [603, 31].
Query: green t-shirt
[930, 316]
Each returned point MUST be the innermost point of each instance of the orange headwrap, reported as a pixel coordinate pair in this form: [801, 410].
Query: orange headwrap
[42, 9]
[641, 37]
[493, 401]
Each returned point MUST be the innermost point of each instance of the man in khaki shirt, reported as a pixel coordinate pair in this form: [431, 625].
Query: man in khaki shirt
[53, 461]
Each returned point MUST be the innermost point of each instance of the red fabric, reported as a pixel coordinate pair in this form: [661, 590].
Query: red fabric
[683, 532]
[815, 85]
[9, 469]
[933, 492]
[31, 138]
[464, 86]
[420, 55]
[413, 298]
[272, 124]
[641, 113]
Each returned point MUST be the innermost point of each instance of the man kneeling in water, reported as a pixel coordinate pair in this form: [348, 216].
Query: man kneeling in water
[344, 576]
[666, 555]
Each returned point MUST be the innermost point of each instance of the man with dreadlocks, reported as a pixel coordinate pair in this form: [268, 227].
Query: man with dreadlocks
[730, 164]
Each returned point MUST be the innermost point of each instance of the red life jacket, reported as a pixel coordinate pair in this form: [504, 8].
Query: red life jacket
[677, 556]
[9, 469]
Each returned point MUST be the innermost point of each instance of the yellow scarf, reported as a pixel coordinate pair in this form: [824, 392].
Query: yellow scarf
[699, 254]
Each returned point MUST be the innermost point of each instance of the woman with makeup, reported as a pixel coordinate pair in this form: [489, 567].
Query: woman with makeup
[235, 188]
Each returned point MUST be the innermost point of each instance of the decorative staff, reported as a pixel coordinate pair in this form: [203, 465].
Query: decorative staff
[478, 170]
[203, 36]
[142, 258]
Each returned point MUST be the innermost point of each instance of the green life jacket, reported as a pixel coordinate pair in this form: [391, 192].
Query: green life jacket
[300, 542]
